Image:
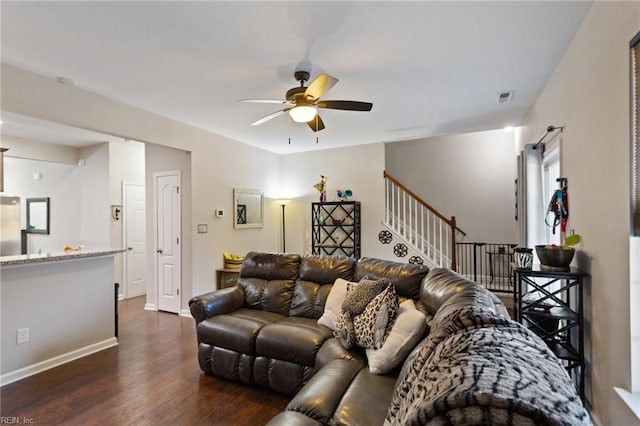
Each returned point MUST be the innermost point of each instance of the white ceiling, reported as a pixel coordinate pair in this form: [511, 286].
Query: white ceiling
[430, 68]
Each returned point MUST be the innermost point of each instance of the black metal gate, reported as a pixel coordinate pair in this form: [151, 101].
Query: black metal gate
[488, 264]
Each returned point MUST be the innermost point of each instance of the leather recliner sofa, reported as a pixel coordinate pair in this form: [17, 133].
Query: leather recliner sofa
[475, 366]
[265, 331]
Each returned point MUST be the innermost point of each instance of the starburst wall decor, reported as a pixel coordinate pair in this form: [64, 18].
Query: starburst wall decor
[400, 250]
[385, 237]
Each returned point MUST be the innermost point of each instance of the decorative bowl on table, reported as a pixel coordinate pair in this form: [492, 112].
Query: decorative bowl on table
[232, 261]
[555, 258]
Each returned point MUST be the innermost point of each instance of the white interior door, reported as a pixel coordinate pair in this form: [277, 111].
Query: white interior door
[134, 229]
[167, 204]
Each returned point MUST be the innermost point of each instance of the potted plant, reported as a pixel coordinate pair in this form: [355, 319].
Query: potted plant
[558, 258]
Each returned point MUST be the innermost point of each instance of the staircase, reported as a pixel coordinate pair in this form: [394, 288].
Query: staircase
[422, 228]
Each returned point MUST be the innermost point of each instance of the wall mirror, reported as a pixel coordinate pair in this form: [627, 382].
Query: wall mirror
[38, 215]
[248, 208]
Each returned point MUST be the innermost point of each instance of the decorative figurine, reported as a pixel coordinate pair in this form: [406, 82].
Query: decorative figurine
[322, 188]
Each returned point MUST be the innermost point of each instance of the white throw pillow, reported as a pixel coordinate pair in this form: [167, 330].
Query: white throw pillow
[333, 306]
[407, 330]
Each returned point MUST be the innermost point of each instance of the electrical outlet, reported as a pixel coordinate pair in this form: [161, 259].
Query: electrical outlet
[22, 335]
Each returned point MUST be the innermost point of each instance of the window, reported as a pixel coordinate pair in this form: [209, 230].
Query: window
[632, 398]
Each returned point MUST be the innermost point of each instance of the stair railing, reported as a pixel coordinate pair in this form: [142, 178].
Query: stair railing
[421, 225]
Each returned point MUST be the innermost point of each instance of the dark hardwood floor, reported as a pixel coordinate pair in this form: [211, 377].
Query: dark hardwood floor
[151, 378]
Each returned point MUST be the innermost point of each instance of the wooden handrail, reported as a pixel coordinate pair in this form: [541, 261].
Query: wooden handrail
[451, 222]
[454, 260]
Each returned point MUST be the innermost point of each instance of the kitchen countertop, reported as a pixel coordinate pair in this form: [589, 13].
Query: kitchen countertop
[29, 259]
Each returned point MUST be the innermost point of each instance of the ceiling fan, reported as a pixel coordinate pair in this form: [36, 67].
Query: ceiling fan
[303, 102]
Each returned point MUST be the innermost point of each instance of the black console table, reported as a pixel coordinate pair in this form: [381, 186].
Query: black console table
[550, 303]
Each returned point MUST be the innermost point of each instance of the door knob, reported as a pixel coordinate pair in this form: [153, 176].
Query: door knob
[159, 251]
[129, 248]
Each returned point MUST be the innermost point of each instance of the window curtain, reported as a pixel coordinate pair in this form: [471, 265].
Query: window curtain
[531, 206]
[635, 135]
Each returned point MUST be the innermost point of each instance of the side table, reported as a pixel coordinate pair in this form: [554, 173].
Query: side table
[550, 303]
[226, 278]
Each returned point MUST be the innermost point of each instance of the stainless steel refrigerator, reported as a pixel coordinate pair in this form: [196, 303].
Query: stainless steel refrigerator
[10, 234]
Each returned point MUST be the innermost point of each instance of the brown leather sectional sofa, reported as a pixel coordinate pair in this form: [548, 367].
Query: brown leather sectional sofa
[265, 332]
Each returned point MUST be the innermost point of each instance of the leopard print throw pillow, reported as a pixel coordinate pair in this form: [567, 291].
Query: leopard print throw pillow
[358, 296]
[344, 331]
[356, 300]
[373, 326]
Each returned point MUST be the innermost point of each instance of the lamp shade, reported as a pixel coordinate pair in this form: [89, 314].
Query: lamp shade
[302, 114]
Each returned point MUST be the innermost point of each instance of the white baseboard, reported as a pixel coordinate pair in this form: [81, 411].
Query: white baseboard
[185, 313]
[150, 307]
[30, 370]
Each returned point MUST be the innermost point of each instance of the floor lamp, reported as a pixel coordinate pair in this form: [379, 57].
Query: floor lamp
[283, 202]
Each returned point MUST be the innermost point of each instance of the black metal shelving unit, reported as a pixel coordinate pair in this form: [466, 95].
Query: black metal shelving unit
[335, 228]
[550, 303]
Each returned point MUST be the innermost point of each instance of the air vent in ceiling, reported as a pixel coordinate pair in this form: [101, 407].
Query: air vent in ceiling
[505, 97]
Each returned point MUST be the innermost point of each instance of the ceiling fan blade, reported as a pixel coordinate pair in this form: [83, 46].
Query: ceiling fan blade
[320, 86]
[269, 117]
[346, 105]
[264, 101]
[316, 124]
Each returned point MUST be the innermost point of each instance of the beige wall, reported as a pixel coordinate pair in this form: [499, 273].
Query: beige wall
[78, 195]
[469, 176]
[95, 208]
[61, 183]
[67, 307]
[589, 94]
[358, 168]
[126, 164]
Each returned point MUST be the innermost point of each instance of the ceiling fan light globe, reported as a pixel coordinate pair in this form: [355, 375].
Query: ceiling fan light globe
[303, 114]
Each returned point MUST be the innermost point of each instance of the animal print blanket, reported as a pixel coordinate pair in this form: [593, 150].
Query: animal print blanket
[480, 368]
